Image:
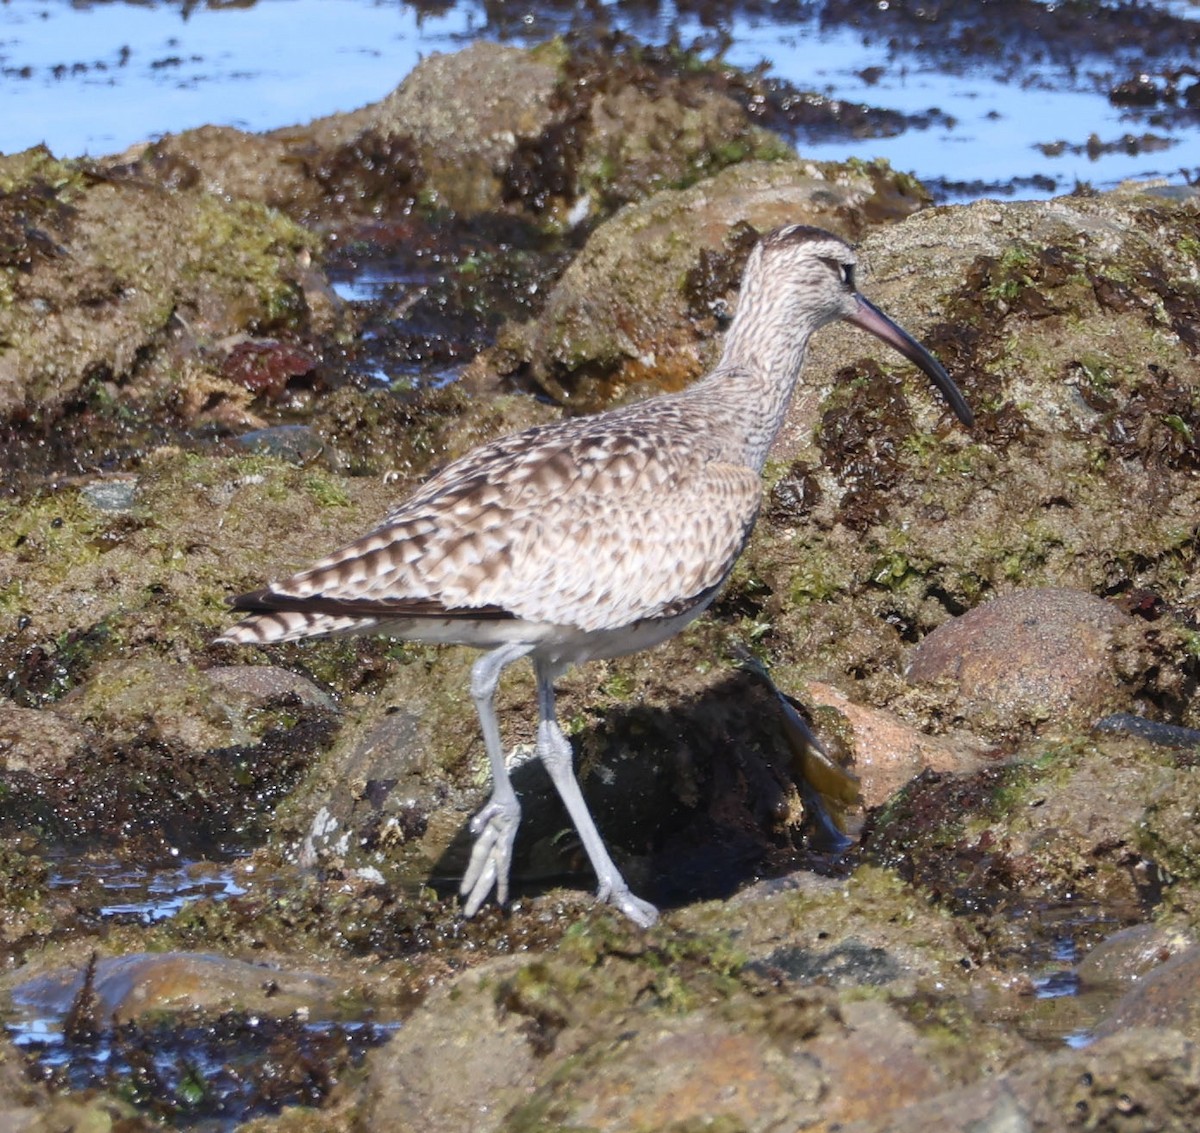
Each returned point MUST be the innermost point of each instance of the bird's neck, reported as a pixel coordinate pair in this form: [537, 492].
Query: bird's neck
[747, 394]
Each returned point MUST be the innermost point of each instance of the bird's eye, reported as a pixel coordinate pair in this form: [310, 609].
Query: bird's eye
[844, 271]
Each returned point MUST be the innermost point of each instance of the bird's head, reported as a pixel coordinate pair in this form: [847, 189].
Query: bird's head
[803, 278]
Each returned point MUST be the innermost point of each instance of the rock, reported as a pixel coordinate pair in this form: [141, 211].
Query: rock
[1141, 1079]
[942, 266]
[639, 303]
[1152, 731]
[465, 114]
[458, 1063]
[144, 983]
[258, 685]
[1072, 825]
[145, 697]
[229, 163]
[558, 134]
[1163, 997]
[874, 1064]
[38, 740]
[702, 1069]
[865, 931]
[1131, 953]
[373, 804]
[117, 264]
[298, 444]
[888, 752]
[29, 1107]
[1032, 658]
[115, 495]
[641, 138]
[182, 706]
[17, 1092]
[522, 1048]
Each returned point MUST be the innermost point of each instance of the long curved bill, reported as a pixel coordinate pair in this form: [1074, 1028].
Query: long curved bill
[872, 319]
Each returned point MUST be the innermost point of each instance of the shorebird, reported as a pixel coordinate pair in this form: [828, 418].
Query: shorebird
[589, 538]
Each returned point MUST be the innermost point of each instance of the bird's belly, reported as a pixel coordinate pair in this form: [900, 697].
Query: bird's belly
[556, 643]
[567, 645]
[482, 633]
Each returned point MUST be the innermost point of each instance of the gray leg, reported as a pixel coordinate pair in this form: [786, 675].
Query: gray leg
[494, 827]
[554, 750]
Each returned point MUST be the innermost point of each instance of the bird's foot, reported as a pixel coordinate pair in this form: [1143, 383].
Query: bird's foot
[616, 893]
[495, 830]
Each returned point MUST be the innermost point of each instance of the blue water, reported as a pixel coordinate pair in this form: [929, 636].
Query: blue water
[132, 893]
[97, 78]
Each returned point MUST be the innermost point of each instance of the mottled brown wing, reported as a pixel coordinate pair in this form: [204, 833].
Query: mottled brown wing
[568, 525]
[607, 561]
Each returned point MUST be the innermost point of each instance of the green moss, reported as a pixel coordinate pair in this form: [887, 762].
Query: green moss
[688, 60]
[51, 536]
[1180, 427]
[1018, 553]
[1188, 246]
[237, 246]
[905, 182]
[554, 51]
[326, 491]
[773, 148]
[38, 164]
[619, 685]
[675, 971]
[1010, 279]
[728, 153]
[816, 574]
[1097, 373]
[891, 570]
[921, 447]
[864, 167]
[1170, 830]
[23, 878]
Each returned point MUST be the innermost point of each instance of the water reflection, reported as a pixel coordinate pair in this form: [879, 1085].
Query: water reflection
[1016, 97]
[127, 892]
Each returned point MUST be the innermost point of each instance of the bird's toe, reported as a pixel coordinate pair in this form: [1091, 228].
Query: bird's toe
[642, 913]
[616, 893]
[495, 830]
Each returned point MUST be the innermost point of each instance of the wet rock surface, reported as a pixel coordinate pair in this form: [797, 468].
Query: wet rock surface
[130, 310]
[565, 132]
[1033, 657]
[1146, 1079]
[128, 987]
[888, 752]
[1160, 999]
[659, 278]
[953, 611]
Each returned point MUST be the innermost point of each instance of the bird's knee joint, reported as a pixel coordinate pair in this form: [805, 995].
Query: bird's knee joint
[485, 673]
[554, 747]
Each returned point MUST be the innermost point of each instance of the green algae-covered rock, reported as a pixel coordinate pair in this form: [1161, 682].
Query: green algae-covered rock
[118, 283]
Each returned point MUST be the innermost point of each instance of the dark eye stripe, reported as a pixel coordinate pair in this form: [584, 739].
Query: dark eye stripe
[844, 271]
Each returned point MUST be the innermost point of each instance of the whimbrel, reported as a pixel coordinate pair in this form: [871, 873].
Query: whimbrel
[589, 538]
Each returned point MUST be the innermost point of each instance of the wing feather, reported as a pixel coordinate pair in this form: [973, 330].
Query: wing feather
[566, 525]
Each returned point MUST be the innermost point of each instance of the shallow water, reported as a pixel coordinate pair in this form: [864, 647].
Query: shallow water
[126, 891]
[98, 77]
[206, 1076]
[208, 1072]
